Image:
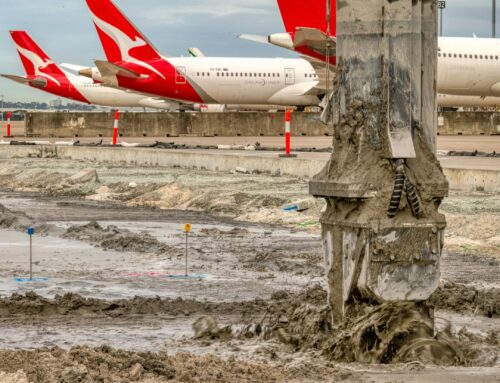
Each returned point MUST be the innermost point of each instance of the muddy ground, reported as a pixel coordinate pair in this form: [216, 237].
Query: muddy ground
[113, 306]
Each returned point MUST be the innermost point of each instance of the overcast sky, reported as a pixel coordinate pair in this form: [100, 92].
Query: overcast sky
[65, 31]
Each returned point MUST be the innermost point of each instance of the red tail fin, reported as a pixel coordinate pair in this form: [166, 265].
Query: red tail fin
[310, 14]
[120, 38]
[35, 61]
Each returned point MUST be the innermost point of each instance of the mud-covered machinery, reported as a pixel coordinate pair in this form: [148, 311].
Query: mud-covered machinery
[382, 231]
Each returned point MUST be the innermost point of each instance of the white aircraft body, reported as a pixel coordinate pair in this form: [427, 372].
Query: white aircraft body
[44, 74]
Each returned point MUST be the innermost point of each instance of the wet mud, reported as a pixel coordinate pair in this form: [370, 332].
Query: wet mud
[259, 316]
[114, 238]
[467, 299]
[386, 333]
[32, 304]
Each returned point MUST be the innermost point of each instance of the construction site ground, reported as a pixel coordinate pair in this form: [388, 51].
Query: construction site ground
[110, 302]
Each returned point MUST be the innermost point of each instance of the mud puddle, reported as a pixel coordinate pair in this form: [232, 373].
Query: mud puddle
[139, 253]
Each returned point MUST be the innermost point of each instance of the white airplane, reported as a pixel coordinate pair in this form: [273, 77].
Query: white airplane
[457, 101]
[44, 74]
[468, 68]
[134, 63]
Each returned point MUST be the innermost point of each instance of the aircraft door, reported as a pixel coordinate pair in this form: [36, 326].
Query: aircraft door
[289, 76]
[180, 75]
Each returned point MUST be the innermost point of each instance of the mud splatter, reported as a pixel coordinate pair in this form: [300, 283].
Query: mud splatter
[386, 333]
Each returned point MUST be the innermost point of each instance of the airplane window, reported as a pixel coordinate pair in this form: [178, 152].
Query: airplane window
[470, 56]
[460, 56]
[269, 75]
[439, 54]
[475, 56]
[217, 73]
[255, 75]
[496, 57]
[241, 74]
[491, 57]
[208, 74]
[455, 55]
[481, 57]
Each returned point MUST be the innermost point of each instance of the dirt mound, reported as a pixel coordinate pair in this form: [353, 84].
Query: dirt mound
[20, 222]
[217, 233]
[467, 299]
[104, 364]
[74, 304]
[113, 238]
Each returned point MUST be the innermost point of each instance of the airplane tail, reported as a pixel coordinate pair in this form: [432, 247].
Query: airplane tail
[120, 38]
[35, 61]
[297, 13]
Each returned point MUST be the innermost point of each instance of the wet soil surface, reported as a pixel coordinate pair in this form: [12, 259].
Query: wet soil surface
[253, 308]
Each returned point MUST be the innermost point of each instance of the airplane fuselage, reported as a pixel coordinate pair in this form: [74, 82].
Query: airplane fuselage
[469, 66]
[213, 80]
[85, 90]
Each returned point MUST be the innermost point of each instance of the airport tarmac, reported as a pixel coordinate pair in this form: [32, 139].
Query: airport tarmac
[445, 143]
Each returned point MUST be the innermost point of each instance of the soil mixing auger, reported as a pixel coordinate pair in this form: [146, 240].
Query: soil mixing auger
[382, 231]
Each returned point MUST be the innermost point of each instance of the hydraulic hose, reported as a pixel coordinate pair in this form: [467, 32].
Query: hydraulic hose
[399, 184]
[413, 200]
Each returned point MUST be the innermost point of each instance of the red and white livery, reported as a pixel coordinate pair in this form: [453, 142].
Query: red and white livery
[134, 63]
[44, 74]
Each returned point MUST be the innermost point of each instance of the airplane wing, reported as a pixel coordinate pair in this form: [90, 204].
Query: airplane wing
[254, 38]
[195, 52]
[315, 40]
[108, 69]
[73, 67]
[36, 82]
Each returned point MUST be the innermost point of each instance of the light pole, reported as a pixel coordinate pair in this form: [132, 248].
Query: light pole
[441, 6]
[494, 19]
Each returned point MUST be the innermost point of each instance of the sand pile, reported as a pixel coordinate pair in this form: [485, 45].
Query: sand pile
[113, 238]
[104, 364]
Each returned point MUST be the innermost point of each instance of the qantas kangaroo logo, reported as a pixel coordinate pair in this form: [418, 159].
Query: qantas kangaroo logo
[125, 44]
[38, 63]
